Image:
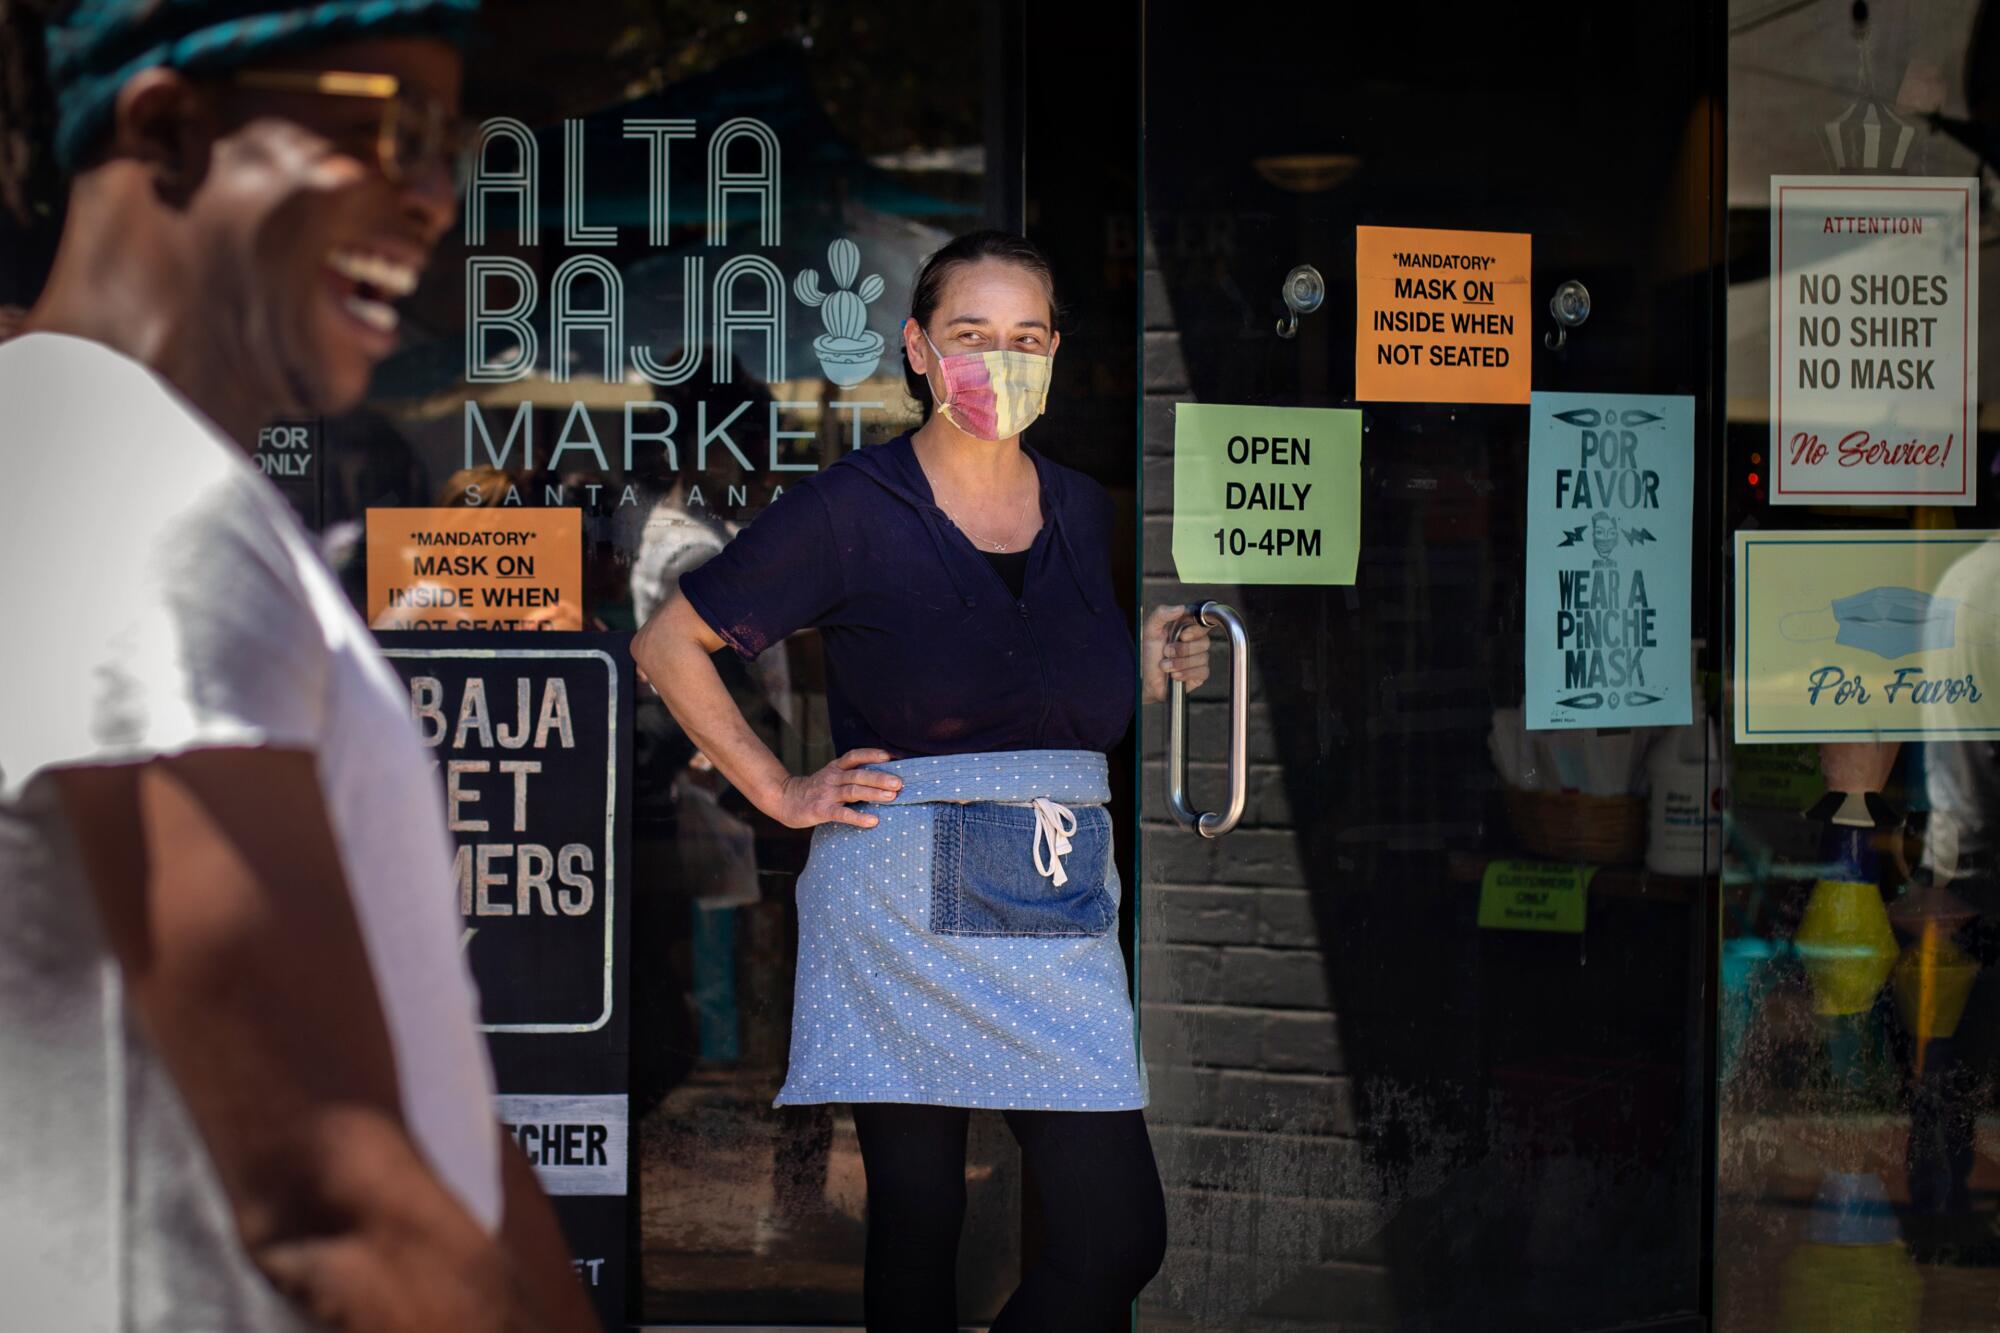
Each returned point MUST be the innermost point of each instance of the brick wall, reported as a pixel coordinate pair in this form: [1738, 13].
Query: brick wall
[1275, 1207]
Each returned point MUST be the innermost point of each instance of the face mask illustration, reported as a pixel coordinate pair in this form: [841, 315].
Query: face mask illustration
[1888, 622]
[993, 395]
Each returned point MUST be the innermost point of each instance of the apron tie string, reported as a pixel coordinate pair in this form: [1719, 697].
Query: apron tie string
[1053, 825]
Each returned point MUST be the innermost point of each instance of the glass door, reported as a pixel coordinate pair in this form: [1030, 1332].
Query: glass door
[1859, 1032]
[628, 342]
[1378, 1100]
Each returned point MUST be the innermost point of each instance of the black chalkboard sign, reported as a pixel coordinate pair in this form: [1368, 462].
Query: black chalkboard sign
[532, 736]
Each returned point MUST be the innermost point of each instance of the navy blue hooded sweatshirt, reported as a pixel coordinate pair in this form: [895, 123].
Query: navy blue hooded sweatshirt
[927, 651]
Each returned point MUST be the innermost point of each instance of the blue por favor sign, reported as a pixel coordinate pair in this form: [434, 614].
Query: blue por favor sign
[1610, 524]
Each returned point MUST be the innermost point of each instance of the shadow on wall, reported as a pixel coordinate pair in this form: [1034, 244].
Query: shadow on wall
[1371, 1114]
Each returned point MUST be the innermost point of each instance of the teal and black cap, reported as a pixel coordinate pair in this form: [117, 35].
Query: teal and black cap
[96, 45]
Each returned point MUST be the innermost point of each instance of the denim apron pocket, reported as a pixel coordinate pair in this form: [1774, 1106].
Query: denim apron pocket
[1033, 869]
[940, 961]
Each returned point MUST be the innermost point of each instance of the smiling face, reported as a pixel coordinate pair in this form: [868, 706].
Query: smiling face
[1603, 534]
[985, 306]
[301, 240]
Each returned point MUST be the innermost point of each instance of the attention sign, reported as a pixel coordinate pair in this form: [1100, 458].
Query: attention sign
[1874, 340]
[1441, 316]
[478, 568]
[1266, 494]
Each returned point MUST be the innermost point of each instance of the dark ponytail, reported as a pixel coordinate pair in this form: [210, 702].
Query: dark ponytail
[936, 270]
[28, 181]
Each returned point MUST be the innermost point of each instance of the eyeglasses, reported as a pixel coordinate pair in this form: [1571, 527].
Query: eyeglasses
[417, 132]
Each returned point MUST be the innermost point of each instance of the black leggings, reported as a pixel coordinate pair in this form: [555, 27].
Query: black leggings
[1103, 1215]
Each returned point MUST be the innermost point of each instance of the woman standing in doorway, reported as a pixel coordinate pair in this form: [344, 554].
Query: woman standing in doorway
[957, 922]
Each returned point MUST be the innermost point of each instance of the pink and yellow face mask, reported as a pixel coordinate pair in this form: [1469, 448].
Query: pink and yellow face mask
[992, 395]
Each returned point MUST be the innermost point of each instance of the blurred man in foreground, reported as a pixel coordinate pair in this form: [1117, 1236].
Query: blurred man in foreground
[239, 1055]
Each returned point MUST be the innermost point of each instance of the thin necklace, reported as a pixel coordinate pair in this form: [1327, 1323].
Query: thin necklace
[998, 548]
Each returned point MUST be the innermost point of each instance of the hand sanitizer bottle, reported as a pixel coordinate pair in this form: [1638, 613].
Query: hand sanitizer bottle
[1684, 835]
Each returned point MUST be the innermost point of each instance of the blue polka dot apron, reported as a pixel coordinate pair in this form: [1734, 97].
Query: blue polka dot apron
[964, 951]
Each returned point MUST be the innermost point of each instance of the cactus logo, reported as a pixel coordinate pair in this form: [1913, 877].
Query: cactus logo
[849, 350]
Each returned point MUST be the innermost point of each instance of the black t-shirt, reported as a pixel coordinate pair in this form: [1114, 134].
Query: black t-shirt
[928, 650]
[1011, 566]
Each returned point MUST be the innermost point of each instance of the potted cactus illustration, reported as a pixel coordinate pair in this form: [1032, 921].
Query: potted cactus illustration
[849, 350]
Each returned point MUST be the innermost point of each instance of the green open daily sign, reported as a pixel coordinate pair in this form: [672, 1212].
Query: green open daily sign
[1266, 494]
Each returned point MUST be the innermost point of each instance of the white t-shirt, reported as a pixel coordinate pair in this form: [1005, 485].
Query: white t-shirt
[672, 542]
[159, 597]
[1963, 777]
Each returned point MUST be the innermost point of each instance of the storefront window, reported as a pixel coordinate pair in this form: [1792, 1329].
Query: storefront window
[675, 288]
[1614, 539]
[1859, 1051]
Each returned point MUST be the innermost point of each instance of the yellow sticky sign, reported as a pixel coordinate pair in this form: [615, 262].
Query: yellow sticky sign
[1441, 316]
[475, 568]
[1533, 895]
[1776, 777]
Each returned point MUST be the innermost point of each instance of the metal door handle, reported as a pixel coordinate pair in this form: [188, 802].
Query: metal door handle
[1211, 825]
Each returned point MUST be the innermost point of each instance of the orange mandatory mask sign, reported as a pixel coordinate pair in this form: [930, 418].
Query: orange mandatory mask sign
[1441, 316]
[475, 568]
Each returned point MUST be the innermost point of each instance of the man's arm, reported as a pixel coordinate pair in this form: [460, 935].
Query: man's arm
[220, 889]
[535, 1245]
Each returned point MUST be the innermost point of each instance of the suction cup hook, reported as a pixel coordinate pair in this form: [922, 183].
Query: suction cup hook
[1569, 307]
[1303, 291]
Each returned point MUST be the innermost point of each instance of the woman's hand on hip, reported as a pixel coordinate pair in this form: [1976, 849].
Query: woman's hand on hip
[830, 795]
[1164, 658]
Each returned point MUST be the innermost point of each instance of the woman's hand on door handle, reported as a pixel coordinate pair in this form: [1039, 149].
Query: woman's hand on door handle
[1164, 658]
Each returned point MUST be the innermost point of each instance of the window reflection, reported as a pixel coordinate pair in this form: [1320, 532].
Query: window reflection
[673, 291]
[1859, 1053]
